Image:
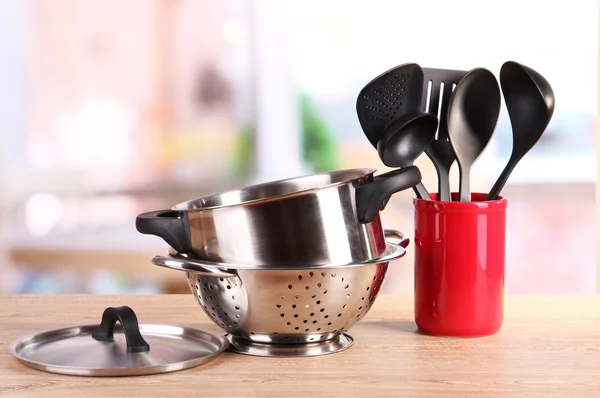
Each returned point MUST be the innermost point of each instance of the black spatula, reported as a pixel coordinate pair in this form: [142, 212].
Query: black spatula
[395, 92]
[437, 89]
[388, 110]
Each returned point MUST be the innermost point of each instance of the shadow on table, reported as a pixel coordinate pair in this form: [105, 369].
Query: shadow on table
[406, 326]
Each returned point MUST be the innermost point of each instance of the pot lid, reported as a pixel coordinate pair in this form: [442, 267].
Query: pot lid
[126, 349]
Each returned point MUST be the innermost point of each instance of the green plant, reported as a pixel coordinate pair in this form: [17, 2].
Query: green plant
[318, 146]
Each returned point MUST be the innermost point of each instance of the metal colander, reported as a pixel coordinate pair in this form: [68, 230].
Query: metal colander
[286, 305]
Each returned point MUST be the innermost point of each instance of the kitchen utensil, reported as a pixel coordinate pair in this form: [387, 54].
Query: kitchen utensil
[393, 93]
[262, 310]
[108, 350]
[316, 219]
[530, 103]
[437, 89]
[390, 103]
[473, 112]
[459, 266]
[404, 139]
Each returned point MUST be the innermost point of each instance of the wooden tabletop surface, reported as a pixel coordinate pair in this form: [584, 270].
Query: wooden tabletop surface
[548, 346]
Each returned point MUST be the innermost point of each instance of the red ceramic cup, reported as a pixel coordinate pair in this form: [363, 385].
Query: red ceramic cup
[459, 266]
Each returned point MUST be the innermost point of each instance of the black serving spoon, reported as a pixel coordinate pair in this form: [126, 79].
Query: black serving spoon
[472, 116]
[405, 139]
[530, 103]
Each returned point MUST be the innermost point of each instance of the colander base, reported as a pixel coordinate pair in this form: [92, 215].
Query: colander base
[336, 344]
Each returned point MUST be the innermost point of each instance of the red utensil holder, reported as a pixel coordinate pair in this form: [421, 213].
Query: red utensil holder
[459, 266]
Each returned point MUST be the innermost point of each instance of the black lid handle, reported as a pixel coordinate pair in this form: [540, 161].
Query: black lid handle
[131, 329]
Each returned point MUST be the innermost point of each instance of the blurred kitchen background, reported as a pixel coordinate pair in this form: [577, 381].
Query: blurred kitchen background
[111, 108]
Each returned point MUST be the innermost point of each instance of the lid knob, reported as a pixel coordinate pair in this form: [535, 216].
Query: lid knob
[131, 329]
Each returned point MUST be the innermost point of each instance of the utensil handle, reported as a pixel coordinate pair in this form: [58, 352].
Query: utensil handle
[464, 193]
[444, 186]
[166, 224]
[394, 233]
[191, 266]
[131, 329]
[421, 192]
[501, 181]
[373, 196]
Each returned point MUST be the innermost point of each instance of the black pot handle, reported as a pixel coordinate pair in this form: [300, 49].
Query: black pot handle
[373, 196]
[131, 329]
[167, 224]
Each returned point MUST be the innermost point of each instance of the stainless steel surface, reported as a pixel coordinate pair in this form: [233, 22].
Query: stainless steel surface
[288, 306]
[274, 189]
[182, 262]
[310, 219]
[339, 343]
[73, 351]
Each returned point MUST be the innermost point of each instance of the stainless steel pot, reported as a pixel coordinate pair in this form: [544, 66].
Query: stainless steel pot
[316, 219]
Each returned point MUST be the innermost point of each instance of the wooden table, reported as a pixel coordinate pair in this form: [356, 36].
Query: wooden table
[549, 346]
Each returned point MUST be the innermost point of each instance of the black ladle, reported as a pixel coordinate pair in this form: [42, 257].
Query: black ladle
[530, 103]
[472, 116]
[404, 140]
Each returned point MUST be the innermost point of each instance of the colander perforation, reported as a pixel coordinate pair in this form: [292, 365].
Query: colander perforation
[289, 306]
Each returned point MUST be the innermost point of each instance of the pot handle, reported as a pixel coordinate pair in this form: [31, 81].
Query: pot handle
[394, 233]
[167, 224]
[373, 196]
[191, 266]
